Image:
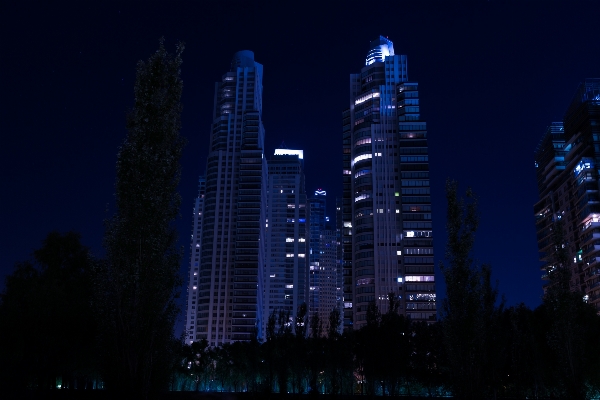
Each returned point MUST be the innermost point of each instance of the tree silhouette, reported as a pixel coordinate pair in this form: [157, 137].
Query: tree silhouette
[469, 309]
[54, 292]
[138, 283]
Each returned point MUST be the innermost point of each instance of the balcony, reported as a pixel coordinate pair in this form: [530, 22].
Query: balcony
[594, 234]
[594, 298]
[591, 261]
[594, 285]
[546, 266]
[589, 225]
[592, 273]
[591, 249]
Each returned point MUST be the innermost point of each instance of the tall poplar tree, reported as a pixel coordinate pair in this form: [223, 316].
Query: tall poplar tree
[138, 283]
[469, 310]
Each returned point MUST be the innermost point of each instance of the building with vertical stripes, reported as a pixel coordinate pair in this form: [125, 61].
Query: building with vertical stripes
[387, 234]
[286, 267]
[228, 257]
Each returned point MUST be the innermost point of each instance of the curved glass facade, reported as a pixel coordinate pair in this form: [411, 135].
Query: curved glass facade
[386, 206]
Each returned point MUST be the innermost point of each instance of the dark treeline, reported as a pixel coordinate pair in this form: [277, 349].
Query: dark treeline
[73, 322]
[478, 349]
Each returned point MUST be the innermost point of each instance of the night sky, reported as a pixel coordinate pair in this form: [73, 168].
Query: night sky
[492, 76]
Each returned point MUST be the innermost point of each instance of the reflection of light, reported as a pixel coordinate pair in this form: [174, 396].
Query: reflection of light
[410, 234]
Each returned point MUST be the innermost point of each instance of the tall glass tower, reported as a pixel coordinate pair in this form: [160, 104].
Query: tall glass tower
[196, 239]
[324, 269]
[386, 208]
[229, 256]
[567, 164]
[286, 265]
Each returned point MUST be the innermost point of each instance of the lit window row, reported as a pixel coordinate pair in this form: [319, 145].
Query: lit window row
[366, 97]
[362, 172]
[418, 251]
[361, 157]
[420, 278]
[418, 234]
[362, 197]
[362, 141]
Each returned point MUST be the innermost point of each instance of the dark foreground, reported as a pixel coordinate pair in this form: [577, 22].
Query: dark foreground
[105, 395]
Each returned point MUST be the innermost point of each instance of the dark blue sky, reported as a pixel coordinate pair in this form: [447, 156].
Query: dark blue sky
[492, 76]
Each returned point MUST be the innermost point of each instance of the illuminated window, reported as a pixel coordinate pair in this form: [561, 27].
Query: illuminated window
[361, 158]
[420, 278]
[362, 141]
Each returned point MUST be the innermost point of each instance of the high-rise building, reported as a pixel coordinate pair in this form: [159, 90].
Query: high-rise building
[229, 256]
[196, 238]
[324, 270]
[285, 277]
[386, 207]
[567, 167]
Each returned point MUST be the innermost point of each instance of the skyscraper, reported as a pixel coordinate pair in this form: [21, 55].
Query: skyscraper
[195, 240]
[229, 256]
[285, 277]
[567, 166]
[324, 269]
[386, 206]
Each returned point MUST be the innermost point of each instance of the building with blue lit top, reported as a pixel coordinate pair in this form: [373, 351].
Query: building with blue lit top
[387, 245]
[567, 168]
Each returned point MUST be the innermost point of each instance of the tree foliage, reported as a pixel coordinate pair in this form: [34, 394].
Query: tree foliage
[572, 325]
[138, 283]
[469, 309]
[47, 329]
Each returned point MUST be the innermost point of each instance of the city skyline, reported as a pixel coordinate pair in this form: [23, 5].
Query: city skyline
[492, 78]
